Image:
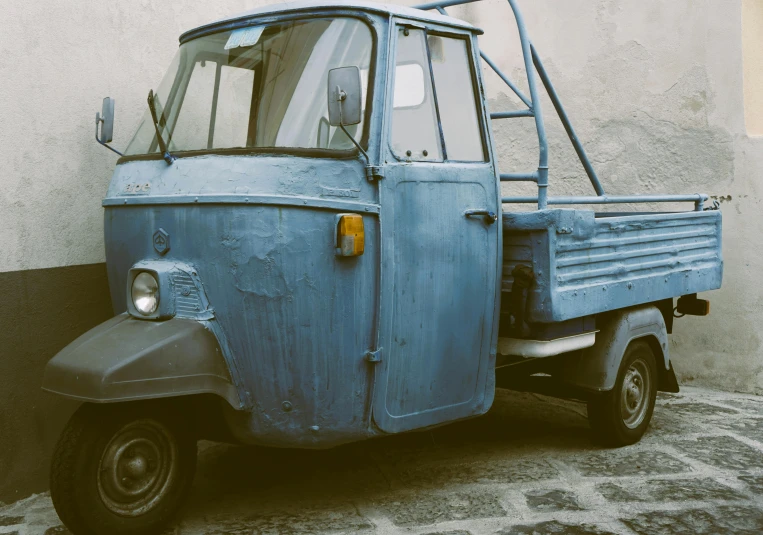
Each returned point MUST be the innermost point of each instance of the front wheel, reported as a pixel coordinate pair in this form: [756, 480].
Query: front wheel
[620, 417]
[121, 470]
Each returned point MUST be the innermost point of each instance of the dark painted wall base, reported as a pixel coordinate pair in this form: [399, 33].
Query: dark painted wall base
[41, 311]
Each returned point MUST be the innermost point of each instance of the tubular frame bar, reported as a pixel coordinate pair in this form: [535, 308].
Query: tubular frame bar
[543, 75]
[536, 107]
[519, 177]
[506, 80]
[511, 114]
[698, 199]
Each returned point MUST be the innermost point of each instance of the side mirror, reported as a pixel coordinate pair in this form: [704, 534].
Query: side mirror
[344, 96]
[106, 120]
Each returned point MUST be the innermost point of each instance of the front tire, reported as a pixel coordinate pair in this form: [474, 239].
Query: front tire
[621, 416]
[122, 470]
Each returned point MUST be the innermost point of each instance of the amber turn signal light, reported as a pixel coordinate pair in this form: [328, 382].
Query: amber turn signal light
[350, 235]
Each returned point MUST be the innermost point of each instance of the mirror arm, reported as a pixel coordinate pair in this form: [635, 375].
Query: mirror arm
[373, 172]
[341, 96]
[365, 154]
[98, 121]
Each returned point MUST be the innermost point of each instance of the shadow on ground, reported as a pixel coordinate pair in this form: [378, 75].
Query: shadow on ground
[519, 422]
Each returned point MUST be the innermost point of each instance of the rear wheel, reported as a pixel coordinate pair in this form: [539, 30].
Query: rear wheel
[621, 416]
[121, 470]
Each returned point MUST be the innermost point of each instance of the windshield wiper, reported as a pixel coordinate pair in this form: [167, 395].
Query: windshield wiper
[169, 158]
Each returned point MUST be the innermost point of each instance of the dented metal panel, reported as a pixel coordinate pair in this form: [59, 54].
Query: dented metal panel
[586, 263]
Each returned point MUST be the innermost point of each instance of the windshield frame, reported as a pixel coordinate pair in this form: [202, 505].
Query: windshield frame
[371, 22]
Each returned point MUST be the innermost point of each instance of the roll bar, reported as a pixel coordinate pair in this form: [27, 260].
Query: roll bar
[533, 65]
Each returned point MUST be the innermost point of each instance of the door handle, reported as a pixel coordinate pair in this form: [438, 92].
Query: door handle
[487, 216]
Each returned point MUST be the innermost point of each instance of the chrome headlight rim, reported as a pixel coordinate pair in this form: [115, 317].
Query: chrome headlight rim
[144, 293]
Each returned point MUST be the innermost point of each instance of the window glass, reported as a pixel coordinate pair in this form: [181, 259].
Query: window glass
[410, 90]
[234, 102]
[197, 109]
[262, 86]
[415, 133]
[455, 98]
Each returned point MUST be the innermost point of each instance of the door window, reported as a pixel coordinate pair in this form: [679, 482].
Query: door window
[437, 105]
[415, 131]
[455, 98]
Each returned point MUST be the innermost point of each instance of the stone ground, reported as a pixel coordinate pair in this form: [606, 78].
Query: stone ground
[527, 467]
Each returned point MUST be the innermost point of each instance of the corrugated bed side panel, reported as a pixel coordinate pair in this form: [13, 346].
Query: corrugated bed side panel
[636, 247]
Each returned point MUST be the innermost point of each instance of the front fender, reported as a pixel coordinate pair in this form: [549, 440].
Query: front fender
[127, 359]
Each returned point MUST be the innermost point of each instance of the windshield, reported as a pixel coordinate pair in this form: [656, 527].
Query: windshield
[257, 87]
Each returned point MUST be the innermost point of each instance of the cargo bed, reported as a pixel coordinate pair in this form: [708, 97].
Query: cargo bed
[586, 263]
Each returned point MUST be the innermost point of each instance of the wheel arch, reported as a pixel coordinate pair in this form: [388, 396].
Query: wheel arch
[666, 377]
[596, 368]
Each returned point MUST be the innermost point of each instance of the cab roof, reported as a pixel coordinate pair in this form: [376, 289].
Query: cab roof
[314, 5]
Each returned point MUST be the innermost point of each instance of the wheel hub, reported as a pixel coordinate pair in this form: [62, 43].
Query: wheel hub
[635, 393]
[137, 467]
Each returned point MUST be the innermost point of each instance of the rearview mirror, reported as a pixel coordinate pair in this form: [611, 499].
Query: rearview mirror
[106, 120]
[344, 96]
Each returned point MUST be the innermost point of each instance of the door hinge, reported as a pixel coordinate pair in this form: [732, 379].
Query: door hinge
[373, 357]
[374, 172]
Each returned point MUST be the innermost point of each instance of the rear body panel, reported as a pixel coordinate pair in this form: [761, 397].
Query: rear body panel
[586, 263]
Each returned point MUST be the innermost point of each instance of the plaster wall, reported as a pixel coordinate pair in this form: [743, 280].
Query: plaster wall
[57, 61]
[752, 46]
[655, 88]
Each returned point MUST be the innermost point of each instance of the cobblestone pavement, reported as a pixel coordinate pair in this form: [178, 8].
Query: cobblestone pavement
[528, 467]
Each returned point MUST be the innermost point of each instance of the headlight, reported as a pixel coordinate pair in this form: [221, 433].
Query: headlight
[145, 293]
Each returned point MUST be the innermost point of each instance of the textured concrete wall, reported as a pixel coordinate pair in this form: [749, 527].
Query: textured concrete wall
[752, 46]
[57, 61]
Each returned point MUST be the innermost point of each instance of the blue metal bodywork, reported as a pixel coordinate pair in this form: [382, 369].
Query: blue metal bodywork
[587, 263]
[323, 349]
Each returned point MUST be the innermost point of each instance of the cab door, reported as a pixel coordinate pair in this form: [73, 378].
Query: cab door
[441, 237]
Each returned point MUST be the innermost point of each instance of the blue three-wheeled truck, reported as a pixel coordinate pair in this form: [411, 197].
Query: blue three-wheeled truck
[307, 246]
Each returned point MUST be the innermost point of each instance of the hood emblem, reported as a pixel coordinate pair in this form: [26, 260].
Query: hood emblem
[161, 241]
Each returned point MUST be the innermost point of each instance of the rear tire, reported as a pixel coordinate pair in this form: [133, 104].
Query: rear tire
[122, 469]
[621, 416]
